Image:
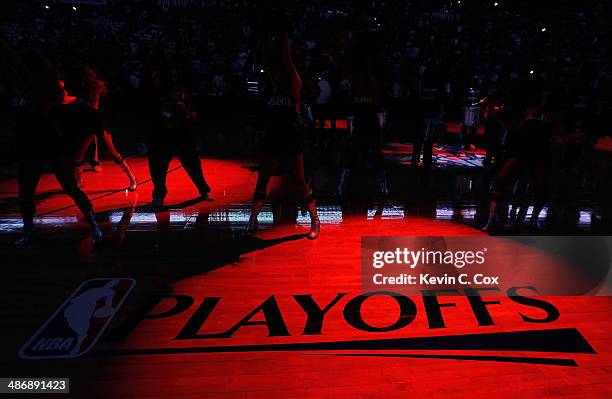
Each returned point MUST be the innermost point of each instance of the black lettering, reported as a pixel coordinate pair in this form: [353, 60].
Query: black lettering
[314, 321]
[353, 316]
[195, 323]
[433, 307]
[479, 306]
[273, 320]
[552, 313]
[183, 302]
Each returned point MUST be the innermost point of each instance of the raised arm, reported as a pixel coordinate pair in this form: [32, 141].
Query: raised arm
[295, 80]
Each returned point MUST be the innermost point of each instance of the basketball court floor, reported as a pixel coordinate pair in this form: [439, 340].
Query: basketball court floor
[216, 314]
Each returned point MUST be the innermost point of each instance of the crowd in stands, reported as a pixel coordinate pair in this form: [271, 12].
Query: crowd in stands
[451, 44]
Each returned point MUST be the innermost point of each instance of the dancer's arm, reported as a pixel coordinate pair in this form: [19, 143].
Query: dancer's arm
[294, 76]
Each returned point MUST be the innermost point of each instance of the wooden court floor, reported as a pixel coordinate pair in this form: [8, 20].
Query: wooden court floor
[195, 251]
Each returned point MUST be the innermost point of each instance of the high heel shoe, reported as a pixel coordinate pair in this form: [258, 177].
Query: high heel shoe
[96, 166]
[315, 229]
[205, 195]
[96, 235]
[96, 232]
[494, 220]
[26, 234]
[126, 169]
[253, 224]
[315, 223]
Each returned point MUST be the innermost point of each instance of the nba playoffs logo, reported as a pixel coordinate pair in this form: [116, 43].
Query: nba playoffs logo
[77, 325]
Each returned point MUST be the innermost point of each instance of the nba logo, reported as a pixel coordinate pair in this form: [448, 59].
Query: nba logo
[79, 323]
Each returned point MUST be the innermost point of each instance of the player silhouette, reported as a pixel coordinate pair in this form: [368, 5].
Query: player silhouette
[80, 310]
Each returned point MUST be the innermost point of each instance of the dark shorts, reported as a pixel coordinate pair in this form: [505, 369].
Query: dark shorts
[78, 121]
[282, 135]
[366, 118]
[531, 144]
